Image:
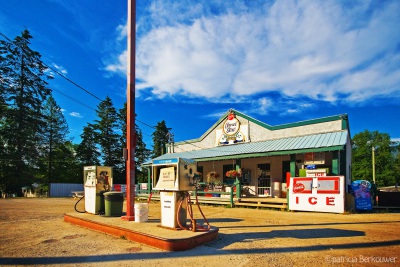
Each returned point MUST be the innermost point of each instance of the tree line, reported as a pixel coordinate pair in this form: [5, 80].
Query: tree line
[35, 148]
[34, 142]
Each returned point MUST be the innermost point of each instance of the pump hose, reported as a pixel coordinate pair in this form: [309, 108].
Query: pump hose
[193, 225]
[202, 214]
[76, 209]
[177, 214]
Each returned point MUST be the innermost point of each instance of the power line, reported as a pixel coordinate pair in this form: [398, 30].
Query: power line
[56, 71]
[80, 87]
[153, 127]
[77, 85]
[73, 99]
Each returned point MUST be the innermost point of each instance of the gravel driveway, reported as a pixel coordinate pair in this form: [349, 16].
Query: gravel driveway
[34, 233]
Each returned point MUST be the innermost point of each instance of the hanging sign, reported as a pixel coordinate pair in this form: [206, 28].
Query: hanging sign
[314, 158]
[231, 133]
[167, 178]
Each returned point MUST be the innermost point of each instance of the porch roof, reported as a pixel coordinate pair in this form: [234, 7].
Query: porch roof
[291, 145]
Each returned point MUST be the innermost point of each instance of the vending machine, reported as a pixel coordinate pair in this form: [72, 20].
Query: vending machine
[96, 180]
[173, 178]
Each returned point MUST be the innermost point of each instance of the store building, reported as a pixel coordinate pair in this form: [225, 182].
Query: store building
[260, 156]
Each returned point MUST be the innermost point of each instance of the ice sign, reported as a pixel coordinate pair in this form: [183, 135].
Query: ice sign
[166, 179]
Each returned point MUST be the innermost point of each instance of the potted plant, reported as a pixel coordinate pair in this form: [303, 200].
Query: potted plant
[211, 176]
[232, 174]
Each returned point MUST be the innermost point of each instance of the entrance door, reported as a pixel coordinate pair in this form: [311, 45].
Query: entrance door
[264, 180]
[285, 169]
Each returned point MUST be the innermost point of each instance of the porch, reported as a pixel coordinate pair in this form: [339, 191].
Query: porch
[230, 200]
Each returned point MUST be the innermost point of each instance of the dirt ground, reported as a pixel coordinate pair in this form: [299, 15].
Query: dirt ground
[33, 232]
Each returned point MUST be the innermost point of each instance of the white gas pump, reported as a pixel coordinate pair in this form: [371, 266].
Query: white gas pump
[96, 180]
[173, 178]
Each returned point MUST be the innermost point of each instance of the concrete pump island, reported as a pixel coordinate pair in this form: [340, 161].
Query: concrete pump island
[171, 231]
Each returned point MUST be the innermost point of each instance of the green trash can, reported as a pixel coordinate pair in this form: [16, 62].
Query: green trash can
[113, 203]
[100, 202]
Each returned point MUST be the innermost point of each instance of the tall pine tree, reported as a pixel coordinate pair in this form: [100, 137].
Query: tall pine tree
[160, 139]
[87, 151]
[22, 75]
[108, 138]
[54, 137]
[141, 152]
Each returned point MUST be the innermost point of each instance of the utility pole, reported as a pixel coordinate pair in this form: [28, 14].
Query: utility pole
[373, 164]
[130, 113]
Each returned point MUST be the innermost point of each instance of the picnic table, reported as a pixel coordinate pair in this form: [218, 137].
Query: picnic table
[77, 194]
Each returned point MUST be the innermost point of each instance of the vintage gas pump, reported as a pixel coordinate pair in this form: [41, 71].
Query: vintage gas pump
[174, 178]
[96, 180]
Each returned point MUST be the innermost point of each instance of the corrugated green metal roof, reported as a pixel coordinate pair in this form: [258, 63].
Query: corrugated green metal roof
[342, 117]
[300, 144]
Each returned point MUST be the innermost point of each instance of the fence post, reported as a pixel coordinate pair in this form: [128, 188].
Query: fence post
[231, 196]
[238, 188]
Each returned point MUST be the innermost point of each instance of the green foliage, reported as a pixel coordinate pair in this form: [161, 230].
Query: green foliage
[53, 139]
[385, 149]
[87, 151]
[141, 152]
[108, 138]
[160, 139]
[66, 167]
[22, 75]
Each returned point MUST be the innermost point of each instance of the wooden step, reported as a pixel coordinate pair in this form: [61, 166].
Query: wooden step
[277, 206]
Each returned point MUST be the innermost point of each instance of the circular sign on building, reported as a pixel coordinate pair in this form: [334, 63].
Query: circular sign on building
[231, 125]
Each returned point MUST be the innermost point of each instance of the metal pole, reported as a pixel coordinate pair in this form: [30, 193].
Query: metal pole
[373, 164]
[130, 114]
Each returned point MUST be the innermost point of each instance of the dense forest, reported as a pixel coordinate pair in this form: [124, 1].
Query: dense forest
[35, 147]
[36, 150]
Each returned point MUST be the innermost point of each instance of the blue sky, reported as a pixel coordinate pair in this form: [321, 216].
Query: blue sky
[277, 61]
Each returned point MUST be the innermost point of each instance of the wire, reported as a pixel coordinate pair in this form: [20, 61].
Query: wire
[73, 99]
[83, 89]
[56, 71]
[77, 85]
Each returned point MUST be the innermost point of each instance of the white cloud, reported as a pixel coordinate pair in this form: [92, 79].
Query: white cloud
[75, 114]
[120, 65]
[317, 49]
[60, 69]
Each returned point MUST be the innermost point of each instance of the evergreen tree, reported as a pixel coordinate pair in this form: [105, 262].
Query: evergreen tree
[23, 89]
[108, 139]
[66, 167]
[55, 131]
[397, 162]
[160, 139]
[141, 152]
[362, 157]
[87, 151]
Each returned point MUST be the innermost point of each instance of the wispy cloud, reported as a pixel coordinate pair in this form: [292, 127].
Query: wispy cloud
[75, 114]
[321, 50]
[60, 69]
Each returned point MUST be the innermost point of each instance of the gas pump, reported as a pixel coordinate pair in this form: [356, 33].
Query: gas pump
[96, 180]
[174, 178]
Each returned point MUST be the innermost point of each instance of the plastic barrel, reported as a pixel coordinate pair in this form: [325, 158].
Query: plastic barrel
[277, 189]
[141, 212]
[113, 203]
